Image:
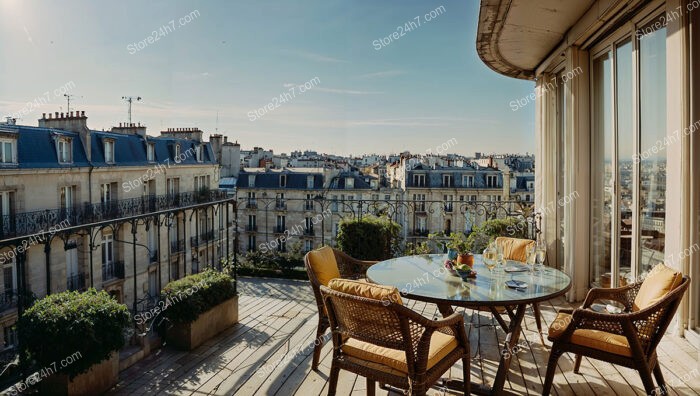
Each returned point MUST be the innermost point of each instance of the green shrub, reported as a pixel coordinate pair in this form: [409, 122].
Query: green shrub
[60, 325]
[371, 238]
[489, 230]
[274, 260]
[185, 299]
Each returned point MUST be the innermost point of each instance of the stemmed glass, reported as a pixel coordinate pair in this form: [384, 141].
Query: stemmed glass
[500, 259]
[490, 257]
[530, 254]
[540, 253]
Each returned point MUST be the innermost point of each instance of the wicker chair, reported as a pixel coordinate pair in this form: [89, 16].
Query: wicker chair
[628, 339]
[339, 264]
[388, 343]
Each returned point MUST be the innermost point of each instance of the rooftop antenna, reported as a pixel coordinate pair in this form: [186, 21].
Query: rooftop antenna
[217, 121]
[130, 100]
[68, 99]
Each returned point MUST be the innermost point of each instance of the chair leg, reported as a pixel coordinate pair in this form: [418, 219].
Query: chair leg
[466, 374]
[318, 344]
[333, 380]
[551, 369]
[370, 387]
[577, 363]
[660, 379]
[647, 381]
[538, 316]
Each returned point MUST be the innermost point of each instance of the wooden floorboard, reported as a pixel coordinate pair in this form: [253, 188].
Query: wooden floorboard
[269, 352]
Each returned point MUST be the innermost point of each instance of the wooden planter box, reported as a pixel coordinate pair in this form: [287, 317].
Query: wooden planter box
[212, 322]
[99, 379]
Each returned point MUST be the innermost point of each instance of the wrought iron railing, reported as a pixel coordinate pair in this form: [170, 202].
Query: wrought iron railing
[76, 282]
[417, 218]
[28, 223]
[8, 299]
[177, 246]
[113, 270]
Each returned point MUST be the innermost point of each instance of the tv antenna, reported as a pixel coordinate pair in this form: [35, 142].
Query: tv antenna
[130, 100]
[68, 99]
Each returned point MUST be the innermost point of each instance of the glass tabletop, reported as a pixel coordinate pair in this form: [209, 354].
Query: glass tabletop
[424, 277]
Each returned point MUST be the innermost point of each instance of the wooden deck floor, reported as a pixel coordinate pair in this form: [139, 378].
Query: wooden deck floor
[269, 353]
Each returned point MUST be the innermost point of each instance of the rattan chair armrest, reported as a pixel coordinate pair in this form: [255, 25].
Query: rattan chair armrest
[456, 318]
[616, 294]
[583, 318]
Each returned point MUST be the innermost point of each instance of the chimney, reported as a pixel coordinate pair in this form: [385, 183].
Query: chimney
[69, 123]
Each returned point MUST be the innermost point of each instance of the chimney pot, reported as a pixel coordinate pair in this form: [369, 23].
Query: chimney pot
[56, 116]
[61, 115]
[43, 116]
[82, 113]
[49, 116]
[120, 125]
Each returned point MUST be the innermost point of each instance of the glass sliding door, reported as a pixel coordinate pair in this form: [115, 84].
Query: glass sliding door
[652, 164]
[628, 168]
[601, 169]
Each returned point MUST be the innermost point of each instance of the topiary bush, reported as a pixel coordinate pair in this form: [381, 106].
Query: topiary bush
[183, 300]
[489, 230]
[90, 325]
[371, 238]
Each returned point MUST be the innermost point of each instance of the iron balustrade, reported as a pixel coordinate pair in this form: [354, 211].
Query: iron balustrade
[76, 282]
[28, 223]
[114, 270]
[177, 246]
[8, 299]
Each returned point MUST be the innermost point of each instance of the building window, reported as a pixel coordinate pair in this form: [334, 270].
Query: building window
[309, 182]
[419, 202]
[251, 243]
[67, 197]
[199, 153]
[491, 181]
[106, 193]
[447, 181]
[172, 186]
[109, 151]
[151, 152]
[419, 180]
[201, 183]
[308, 245]
[177, 153]
[251, 199]
[468, 181]
[7, 203]
[9, 279]
[8, 153]
[283, 181]
[448, 203]
[349, 182]
[107, 253]
[281, 223]
[251, 181]
[73, 277]
[64, 151]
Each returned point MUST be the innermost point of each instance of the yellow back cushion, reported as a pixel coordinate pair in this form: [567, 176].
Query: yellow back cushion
[323, 264]
[367, 290]
[514, 248]
[660, 281]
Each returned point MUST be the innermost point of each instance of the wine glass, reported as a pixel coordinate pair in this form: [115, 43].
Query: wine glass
[530, 254]
[540, 253]
[500, 258]
[490, 257]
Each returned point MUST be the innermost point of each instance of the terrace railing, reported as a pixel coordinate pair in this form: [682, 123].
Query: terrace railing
[34, 222]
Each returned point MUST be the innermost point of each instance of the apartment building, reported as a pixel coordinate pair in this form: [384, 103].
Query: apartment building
[116, 210]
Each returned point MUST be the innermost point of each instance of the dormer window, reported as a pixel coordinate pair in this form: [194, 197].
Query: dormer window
[199, 153]
[251, 181]
[283, 180]
[109, 151]
[309, 181]
[468, 181]
[349, 182]
[177, 153]
[63, 146]
[8, 151]
[419, 180]
[151, 152]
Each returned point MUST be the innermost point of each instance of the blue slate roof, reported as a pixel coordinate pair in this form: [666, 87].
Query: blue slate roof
[295, 180]
[36, 148]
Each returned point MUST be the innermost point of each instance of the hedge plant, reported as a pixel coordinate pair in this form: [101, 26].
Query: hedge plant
[369, 238]
[59, 325]
[489, 230]
[183, 300]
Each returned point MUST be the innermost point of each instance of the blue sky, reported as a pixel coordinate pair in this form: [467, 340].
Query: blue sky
[421, 90]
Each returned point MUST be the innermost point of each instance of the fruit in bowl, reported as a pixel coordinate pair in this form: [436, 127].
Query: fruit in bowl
[450, 266]
[465, 271]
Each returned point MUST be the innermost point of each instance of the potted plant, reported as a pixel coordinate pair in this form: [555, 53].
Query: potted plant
[82, 331]
[199, 307]
[461, 244]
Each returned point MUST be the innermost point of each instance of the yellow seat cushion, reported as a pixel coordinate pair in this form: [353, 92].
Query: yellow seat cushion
[660, 281]
[323, 264]
[365, 289]
[440, 346]
[596, 339]
[514, 248]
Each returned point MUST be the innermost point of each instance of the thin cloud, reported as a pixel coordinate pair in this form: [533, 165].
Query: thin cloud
[314, 57]
[387, 73]
[346, 91]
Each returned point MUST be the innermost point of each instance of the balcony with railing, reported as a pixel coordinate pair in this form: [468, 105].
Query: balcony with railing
[177, 246]
[76, 282]
[112, 271]
[8, 299]
[280, 204]
[28, 223]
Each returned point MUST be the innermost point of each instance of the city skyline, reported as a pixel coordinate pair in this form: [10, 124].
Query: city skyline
[394, 94]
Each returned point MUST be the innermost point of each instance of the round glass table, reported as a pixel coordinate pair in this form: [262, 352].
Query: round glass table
[425, 278]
